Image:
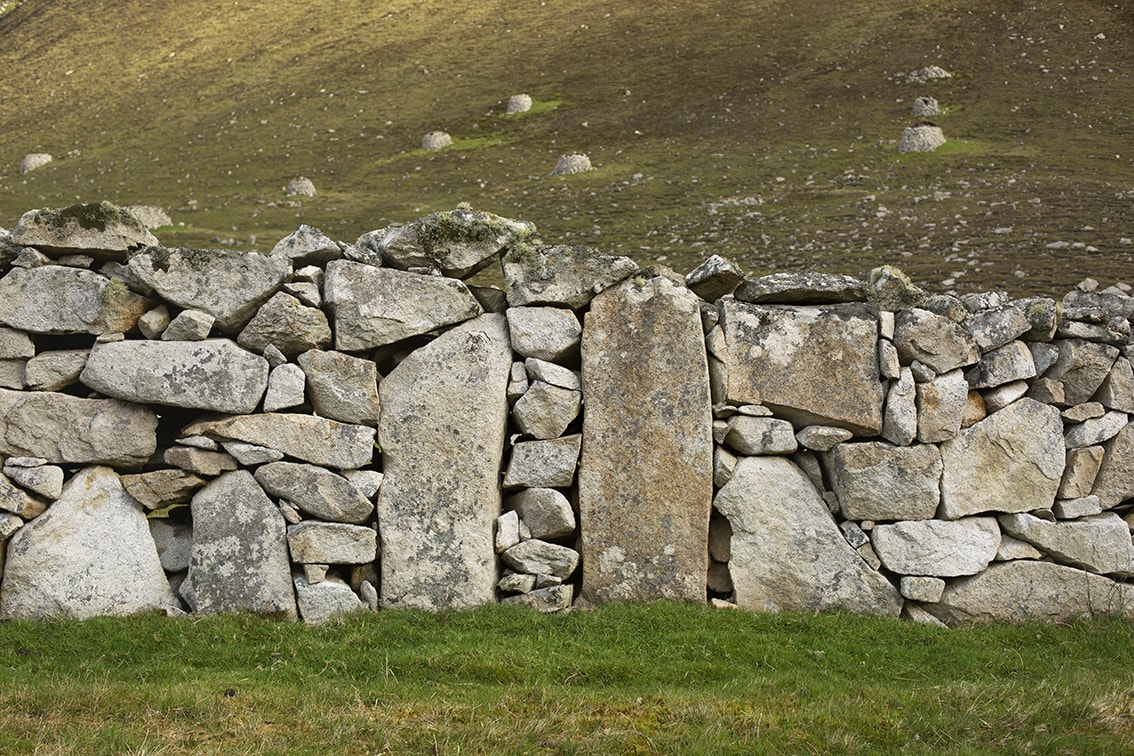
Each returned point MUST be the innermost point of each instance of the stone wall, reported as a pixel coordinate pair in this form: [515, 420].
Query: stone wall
[338, 427]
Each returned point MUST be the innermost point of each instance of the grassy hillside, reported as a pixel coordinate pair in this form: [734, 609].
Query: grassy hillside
[764, 130]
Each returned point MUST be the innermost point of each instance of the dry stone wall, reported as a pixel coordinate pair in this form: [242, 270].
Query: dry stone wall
[337, 427]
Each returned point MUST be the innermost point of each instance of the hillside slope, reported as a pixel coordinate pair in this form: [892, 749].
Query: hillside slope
[764, 130]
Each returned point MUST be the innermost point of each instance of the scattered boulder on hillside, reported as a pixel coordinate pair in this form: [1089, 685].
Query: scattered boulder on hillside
[300, 186]
[34, 160]
[928, 73]
[923, 138]
[925, 106]
[436, 140]
[572, 163]
[149, 216]
[519, 103]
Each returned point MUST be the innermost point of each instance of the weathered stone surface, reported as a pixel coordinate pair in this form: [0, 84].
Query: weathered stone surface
[938, 548]
[1080, 472]
[544, 464]
[1027, 591]
[239, 561]
[992, 329]
[556, 598]
[974, 411]
[877, 481]
[314, 542]
[316, 491]
[342, 387]
[325, 600]
[899, 423]
[1000, 397]
[645, 497]
[376, 306]
[1100, 543]
[787, 553]
[189, 325]
[100, 230]
[58, 300]
[572, 162]
[1011, 362]
[199, 461]
[802, 289]
[1072, 509]
[174, 543]
[18, 501]
[933, 340]
[307, 246]
[545, 411]
[251, 455]
[507, 531]
[15, 344]
[43, 480]
[160, 488]
[920, 588]
[921, 138]
[366, 481]
[769, 348]
[317, 440]
[1117, 390]
[9, 524]
[563, 276]
[889, 365]
[1115, 480]
[152, 323]
[1082, 412]
[67, 430]
[714, 278]
[760, 435]
[941, 407]
[214, 375]
[1095, 431]
[34, 160]
[442, 433]
[550, 373]
[89, 555]
[536, 557]
[52, 371]
[1082, 367]
[822, 438]
[1013, 548]
[1012, 461]
[288, 325]
[287, 386]
[546, 333]
[545, 511]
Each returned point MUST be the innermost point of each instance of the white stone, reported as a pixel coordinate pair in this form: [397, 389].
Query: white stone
[317, 542]
[937, 548]
[545, 511]
[921, 588]
[1097, 543]
[189, 325]
[572, 163]
[325, 600]
[544, 464]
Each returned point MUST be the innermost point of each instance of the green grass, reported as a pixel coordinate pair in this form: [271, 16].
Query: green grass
[661, 678]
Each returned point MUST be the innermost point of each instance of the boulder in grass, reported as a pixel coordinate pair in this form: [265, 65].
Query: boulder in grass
[923, 138]
[300, 186]
[34, 160]
[572, 163]
[519, 103]
[436, 140]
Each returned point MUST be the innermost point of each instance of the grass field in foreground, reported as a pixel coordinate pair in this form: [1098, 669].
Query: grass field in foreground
[660, 678]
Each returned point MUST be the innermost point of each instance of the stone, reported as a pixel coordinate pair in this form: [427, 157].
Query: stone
[716, 277]
[1097, 543]
[161, 488]
[545, 600]
[1000, 397]
[507, 531]
[54, 371]
[300, 186]
[1082, 412]
[802, 289]
[287, 324]
[877, 481]
[760, 435]
[1073, 509]
[227, 284]
[9, 525]
[544, 464]
[571, 163]
[546, 333]
[891, 290]
[724, 462]
[560, 276]
[1047, 391]
[314, 542]
[198, 461]
[34, 160]
[436, 140]
[937, 548]
[925, 106]
[307, 246]
[545, 411]
[274, 357]
[889, 365]
[286, 388]
[100, 230]
[189, 325]
[307, 293]
[18, 501]
[1013, 548]
[342, 387]
[1095, 431]
[1082, 367]
[366, 481]
[13, 374]
[91, 554]
[923, 138]
[720, 538]
[325, 600]
[1011, 362]
[149, 216]
[517, 382]
[1012, 461]
[174, 542]
[1080, 472]
[933, 340]
[536, 557]
[69, 431]
[1117, 389]
[318, 492]
[921, 588]
[550, 373]
[769, 348]
[152, 323]
[15, 345]
[442, 434]
[822, 438]
[57, 300]
[1115, 480]
[974, 411]
[376, 306]
[645, 479]
[518, 103]
[899, 422]
[992, 329]
[239, 560]
[323, 442]
[545, 511]
[941, 407]
[787, 554]
[44, 480]
[214, 374]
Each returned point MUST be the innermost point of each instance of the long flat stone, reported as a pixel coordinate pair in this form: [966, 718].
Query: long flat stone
[317, 440]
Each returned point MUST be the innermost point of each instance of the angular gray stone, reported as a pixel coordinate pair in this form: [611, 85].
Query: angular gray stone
[1073, 509]
[1095, 431]
[920, 588]
[899, 422]
[563, 276]
[557, 598]
[1013, 548]
[214, 375]
[341, 387]
[307, 246]
[536, 557]
[323, 442]
[822, 438]
[544, 464]
[251, 455]
[227, 284]
[802, 289]
[550, 373]
[937, 548]
[1099, 543]
[892, 290]
[645, 479]
[877, 481]
[545, 411]
[1012, 461]
[933, 340]
[1011, 362]
[174, 542]
[199, 461]
[286, 388]
[760, 435]
[189, 325]
[52, 371]
[160, 488]
[1080, 472]
[314, 542]
[376, 306]
[287, 324]
[239, 560]
[18, 501]
[1082, 367]
[316, 491]
[15, 344]
[1000, 397]
[507, 531]
[101, 230]
[44, 480]
[724, 462]
[67, 430]
[1117, 390]
[941, 407]
[787, 554]
[716, 277]
[442, 433]
[992, 329]
[325, 600]
[546, 333]
[91, 554]
[366, 481]
[545, 511]
[1083, 412]
[58, 300]
[152, 323]
[769, 349]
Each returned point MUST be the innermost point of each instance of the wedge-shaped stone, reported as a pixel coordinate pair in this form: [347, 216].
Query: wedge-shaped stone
[316, 491]
[802, 289]
[100, 230]
[544, 464]
[307, 246]
[313, 542]
[53, 299]
[877, 481]
[376, 306]
[545, 512]
[934, 340]
[160, 488]
[938, 548]
[941, 406]
[1098, 543]
[52, 371]
[899, 424]
[342, 387]
[770, 349]
[317, 440]
[325, 600]
[442, 433]
[1012, 461]
[1081, 368]
[16, 500]
[546, 333]
[1081, 471]
[91, 554]
[1095, 430]
[563, 276]
[42, 480]
[1011, 362]
[714, 278]
[288, 325]
[545, 411]
[536, 557]
[786, 553]
[214, 374]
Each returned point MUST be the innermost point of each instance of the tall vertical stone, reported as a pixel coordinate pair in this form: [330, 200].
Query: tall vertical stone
[442, 430]
[645, 478]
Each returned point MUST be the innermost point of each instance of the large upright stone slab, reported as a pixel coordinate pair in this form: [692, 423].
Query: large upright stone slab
[317, 440]
[645, 477]
[91, 554]
[442, 431]
[54, 299]
[239, 560]
[812, 365]
[786, 552]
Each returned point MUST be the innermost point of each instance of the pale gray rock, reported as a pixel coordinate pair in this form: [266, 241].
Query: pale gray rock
[550, 373]
[517, 382]
[922, 588]
[536, 557]
[58, 300]
[720, 538]
[174, 543]
[307, 246]
[1117, 390]
[325, 600]
[53, 371]
[546, 333]
[760, 435]
[1012, 461]
[227, 284]
[274, 357]
[100, 230]
[91, 554]
[1095, 431]
[316, 491]
[199, 461]
[307, 293]
[15, 345]
[314, 542]
[214, 375]
[1044, 355]
[889, 366]
[366, 481]
[937, 548]
[288, 325]
[545, 411]
[877, 481]
[1011, 362]
[1115, 480]
[43, 480]
[914, 613]
[1000, 397]
[161, 488]
[18, 501]
[508, 532]
[802, 289]
[1073, 509]
[923, 138]
[724, 462]
[573, 162]
[822, 438]
[1043, 316]
[1013, 548]
[67, 430]
[518, 103]
[286, 388]
[9, 524]
[770, 347]
[149, 216]
[545, 511]
[13, 374]
[1047, 391]
[189, 325]
[925, 106]
[250, 455]
[941, 407]
[892, 290]
[560, 276]
[342, 387]
[992, 329]
[515, 582]
[442, 434]
[376, 306]
[1098, 543]
[716, 277]
[793, 558]
[1082, 367]
[1082, 412]
[34, 160]
[645, 479]
[544, 464]
[300, 186]
[152, 323]
[436, 140]
[1081, 471]
[545, 600]
[934, 340]
[323, 442]
[899, 422]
